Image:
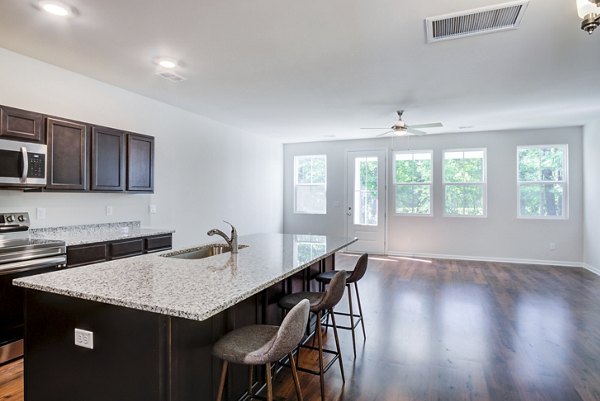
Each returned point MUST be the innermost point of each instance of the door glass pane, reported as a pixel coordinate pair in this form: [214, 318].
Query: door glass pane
[366, 191]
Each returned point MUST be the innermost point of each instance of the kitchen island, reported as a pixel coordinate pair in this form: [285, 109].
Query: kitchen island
[154, 318]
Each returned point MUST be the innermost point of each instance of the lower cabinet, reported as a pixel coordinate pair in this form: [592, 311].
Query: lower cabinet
[79, 255]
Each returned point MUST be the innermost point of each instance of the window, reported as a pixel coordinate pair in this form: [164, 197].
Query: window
[542, 180]
[366, 189]
[465, 182]
[412, 182]
[310, 184]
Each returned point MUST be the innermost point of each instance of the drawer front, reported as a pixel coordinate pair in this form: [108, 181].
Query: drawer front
[159, 243]
[86, 254]
[123, 249]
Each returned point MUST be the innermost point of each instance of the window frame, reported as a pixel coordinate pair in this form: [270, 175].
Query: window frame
[565, 182]
[296, 184]
[484, 183]
[395, 184]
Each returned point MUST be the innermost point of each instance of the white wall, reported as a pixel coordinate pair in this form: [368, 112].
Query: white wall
[205, 171]
[500, 236]
[591, 213]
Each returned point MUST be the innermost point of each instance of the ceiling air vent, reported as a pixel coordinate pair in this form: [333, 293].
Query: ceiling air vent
[478, 21]
[171, 76]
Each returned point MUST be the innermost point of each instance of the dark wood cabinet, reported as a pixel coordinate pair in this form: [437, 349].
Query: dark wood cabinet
[158, 243]
[67, 155]
[79, 255]
[140, 163]
[126, 248]
[21, 124]
[108, 159]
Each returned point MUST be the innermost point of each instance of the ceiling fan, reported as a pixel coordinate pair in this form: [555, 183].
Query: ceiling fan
[401, 128]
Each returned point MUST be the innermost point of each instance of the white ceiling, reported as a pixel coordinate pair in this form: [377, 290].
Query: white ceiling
[309, 70]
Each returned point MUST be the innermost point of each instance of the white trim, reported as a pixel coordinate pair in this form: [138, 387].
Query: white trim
[591, 268]
[562, 263]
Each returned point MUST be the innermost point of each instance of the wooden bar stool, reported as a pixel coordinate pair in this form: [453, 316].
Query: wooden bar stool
[264, 345]
[319, 303]
[352, 278]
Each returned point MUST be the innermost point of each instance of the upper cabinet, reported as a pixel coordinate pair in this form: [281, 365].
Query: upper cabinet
[82, 156]
[108, 159]
[67, 155]
[140, 163]
[21, 124]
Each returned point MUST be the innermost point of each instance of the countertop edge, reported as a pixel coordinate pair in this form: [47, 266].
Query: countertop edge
[175, 312]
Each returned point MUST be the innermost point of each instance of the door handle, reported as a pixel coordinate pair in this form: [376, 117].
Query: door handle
[25, 164]
[349, 212]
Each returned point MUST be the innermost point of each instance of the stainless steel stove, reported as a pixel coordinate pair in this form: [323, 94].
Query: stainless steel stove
[20, 256]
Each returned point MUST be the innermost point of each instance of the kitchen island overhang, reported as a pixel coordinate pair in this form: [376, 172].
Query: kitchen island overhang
[155, 319]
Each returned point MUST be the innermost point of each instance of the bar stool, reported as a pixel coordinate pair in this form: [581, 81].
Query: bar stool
[352, 277]
[320, 302]
[264, 345]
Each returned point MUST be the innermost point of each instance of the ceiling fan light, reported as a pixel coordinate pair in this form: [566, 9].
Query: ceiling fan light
[587, 9]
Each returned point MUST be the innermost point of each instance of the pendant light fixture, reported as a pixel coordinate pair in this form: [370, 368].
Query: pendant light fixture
[589, 12]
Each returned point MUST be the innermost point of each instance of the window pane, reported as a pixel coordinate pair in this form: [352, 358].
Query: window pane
[542, 199]
[365, 190]
[310, 199]
[413, 199]
[413, 167]
[464, 200]
[541, 164]
[303, 170]
[467, 166]
[318, 170]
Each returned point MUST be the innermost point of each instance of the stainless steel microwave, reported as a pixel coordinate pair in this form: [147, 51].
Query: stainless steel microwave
[22, 164]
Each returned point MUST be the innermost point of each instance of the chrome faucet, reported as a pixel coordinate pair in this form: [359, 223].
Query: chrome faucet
[232, 242]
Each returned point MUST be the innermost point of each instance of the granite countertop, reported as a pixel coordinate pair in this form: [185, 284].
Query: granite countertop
[191, 289]
[90, 233]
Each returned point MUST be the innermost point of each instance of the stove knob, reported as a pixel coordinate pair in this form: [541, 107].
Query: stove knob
[10, 219]
[21, 218]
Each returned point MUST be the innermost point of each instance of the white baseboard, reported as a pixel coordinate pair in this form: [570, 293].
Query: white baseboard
[494, 259]
[591, 268]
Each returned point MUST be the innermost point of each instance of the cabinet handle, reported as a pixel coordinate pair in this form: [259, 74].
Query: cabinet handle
[25, 164]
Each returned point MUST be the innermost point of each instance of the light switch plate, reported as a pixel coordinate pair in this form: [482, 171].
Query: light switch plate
[84, 338]
[152, 209]
[109, 210]
[40, 213]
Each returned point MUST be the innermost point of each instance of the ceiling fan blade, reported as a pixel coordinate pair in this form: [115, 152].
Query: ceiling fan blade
[416, 132]
[385, 133]
[430, 125]
[377, 128]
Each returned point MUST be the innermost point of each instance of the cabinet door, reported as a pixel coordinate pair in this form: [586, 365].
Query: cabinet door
[67, 155]
[21, 124]
[140, 163]
[108, 159]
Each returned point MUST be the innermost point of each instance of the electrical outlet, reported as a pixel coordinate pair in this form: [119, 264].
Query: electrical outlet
[84, 338]
[40, 213]
[152, 209]
[552, 246]
[109, 210]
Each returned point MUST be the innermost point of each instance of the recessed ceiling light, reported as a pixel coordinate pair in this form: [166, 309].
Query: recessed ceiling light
[166, 62]
[56, 8]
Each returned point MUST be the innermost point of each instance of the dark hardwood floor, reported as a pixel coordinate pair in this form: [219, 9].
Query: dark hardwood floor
[455, 330]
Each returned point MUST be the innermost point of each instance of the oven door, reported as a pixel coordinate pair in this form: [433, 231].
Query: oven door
[12, 301]
[22, 163]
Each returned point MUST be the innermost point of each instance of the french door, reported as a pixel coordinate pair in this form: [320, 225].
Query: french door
[366, 200]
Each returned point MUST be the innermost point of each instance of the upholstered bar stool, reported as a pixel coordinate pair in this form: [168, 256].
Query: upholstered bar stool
[319, 303]
[352, 278]
[264, 345]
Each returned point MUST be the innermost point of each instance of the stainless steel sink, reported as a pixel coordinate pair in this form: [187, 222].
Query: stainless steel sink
[201, 252]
